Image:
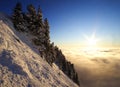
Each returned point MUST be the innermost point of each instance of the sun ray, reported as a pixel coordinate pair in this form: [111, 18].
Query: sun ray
[92, 41]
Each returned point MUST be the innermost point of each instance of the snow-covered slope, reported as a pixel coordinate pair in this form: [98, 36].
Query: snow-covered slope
[21, 66]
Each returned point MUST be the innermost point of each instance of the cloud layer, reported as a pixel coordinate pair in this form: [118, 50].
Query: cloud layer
[96, 67]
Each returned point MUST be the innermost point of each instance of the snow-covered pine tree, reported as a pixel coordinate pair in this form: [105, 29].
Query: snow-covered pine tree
[40, 17]
[40, 31]
[66, 66]
[17, 18]
[47, 30]
[31, 17]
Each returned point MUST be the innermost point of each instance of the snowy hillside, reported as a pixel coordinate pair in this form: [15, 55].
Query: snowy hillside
[21, 66]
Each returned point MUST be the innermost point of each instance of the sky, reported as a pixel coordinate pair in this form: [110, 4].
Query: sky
[71, 20]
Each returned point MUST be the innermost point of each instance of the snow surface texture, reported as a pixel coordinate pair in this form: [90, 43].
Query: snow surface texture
[21, 66]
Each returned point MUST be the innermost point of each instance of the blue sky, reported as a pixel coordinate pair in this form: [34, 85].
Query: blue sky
[71, 19]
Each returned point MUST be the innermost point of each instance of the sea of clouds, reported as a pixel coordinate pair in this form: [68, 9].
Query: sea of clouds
[96, 67]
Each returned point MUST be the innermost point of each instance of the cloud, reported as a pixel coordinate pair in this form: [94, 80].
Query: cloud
[96, 68]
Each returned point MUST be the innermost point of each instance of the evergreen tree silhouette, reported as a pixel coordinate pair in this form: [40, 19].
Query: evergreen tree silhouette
[39, 17]
[17, 17]
[31, 17]
[47, 31]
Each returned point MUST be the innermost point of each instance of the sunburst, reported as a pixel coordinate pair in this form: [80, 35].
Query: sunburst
[92, 41]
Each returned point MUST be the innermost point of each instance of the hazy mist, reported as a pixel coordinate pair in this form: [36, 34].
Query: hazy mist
[96, 68]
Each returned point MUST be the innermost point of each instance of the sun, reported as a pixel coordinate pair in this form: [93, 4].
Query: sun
[91, 41]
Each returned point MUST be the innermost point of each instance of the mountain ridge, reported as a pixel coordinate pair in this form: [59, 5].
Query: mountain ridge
[21, 66]
[32, 25]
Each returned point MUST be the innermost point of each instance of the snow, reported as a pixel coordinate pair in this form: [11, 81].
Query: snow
[20, 64]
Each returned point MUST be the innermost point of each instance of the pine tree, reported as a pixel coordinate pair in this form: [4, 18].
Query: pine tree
[39, 22]
[31, 10]
[31, 17]
[39, 17]
[46, 26]
[17, 17]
